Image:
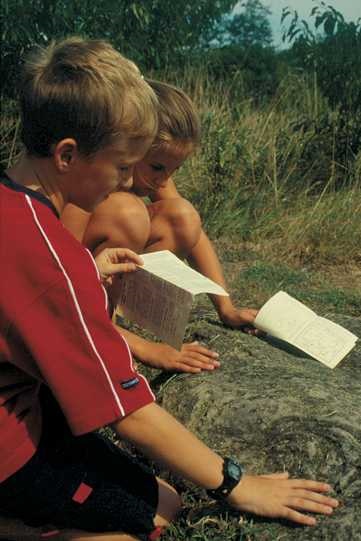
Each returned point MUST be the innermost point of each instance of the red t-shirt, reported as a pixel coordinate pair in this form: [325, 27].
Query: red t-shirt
[54, 329]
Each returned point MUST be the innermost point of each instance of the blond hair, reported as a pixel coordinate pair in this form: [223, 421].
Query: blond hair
[178, 119]
[86, 90]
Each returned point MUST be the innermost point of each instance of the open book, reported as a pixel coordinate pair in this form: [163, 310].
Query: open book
[288, 319]
[158, 296]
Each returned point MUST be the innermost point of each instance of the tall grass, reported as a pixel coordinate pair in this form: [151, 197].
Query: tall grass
[280, 176]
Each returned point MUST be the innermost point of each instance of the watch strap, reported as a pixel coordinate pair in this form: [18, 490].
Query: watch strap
[232, 474]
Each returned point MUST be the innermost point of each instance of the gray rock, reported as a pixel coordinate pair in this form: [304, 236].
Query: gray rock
[274, 408]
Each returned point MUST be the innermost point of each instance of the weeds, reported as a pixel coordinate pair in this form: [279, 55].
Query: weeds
[280, 176]
[316, 289]
[284, 176]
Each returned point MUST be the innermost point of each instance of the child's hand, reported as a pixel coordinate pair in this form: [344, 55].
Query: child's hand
[111, 261]
[277, 496]
[240, 319]
[192, 358]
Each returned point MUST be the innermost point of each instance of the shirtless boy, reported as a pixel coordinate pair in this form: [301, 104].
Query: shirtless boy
[167, 222]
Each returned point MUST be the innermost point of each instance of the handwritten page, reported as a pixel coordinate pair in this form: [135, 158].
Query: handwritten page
[283, 316]
[158, 296]
[288, 319]
[326, 341]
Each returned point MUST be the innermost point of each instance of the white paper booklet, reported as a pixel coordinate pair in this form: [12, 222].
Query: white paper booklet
[288, 319]
[158, 296]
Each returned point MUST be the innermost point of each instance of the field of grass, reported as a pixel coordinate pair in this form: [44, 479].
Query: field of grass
[283, 175]
[280, 175]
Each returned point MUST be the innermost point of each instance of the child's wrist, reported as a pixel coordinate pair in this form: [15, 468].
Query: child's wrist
[225, 309]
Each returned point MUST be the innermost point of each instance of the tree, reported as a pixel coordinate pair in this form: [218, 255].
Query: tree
[333, 55]
[154, 33]
[251, 26]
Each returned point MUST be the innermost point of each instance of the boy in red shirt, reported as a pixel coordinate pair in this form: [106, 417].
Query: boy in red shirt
[87, 118]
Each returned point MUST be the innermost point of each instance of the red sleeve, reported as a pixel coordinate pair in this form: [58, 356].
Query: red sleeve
[80, 355]
[57, 308]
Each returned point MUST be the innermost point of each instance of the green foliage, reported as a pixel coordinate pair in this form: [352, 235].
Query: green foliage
[280, 161]
[251, 26]
[307, 286]
[269, 174]
[257, 68]
[275, 277]
[154, 33]
[333, 57]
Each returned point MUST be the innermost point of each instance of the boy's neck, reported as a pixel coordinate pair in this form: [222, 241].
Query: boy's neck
[37, 174]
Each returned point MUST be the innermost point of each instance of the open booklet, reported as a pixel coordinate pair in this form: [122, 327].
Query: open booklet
[288, 319]
[158, 296]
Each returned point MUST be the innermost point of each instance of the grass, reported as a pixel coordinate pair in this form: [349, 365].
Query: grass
[276, 175]
[325, 289]
[279, 175]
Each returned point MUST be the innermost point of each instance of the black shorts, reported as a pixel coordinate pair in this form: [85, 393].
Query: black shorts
[85, 483]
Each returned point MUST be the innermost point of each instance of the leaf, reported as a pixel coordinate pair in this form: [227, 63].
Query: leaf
[320, 19]
[294, 33]
[336, 14]
[285, 13]
[329, 25]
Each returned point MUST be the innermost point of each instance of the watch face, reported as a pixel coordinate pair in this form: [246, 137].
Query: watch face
[232, 474]
[234, 470]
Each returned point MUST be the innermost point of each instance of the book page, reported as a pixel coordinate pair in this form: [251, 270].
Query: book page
[156, 305]
[326, 341]
[284, 317]
[167, 266]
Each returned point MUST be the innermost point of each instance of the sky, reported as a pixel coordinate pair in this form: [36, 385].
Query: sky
[350, 9]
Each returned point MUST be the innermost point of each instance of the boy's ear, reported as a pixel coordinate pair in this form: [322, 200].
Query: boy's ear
[65, 153]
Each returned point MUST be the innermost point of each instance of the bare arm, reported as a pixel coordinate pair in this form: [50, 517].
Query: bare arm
[203, 258]
[162, 438]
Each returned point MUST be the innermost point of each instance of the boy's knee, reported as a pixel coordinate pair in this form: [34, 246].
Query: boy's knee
[169, 504]
[134, 220]
[186, 222]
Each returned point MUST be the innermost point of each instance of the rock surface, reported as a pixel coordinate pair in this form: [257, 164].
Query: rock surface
[276, 409]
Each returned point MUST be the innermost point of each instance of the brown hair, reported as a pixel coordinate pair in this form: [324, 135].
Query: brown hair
[86, 90]
[178, 119]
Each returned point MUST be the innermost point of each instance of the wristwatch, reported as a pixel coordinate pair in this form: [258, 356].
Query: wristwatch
[232, 474]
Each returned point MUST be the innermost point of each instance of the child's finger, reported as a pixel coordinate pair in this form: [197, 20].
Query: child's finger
[299, 518]
[197, 361]
[122, 268]
[126, 253]
[308, 484]
[310, 505]
[325, 501]
[198, 348]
